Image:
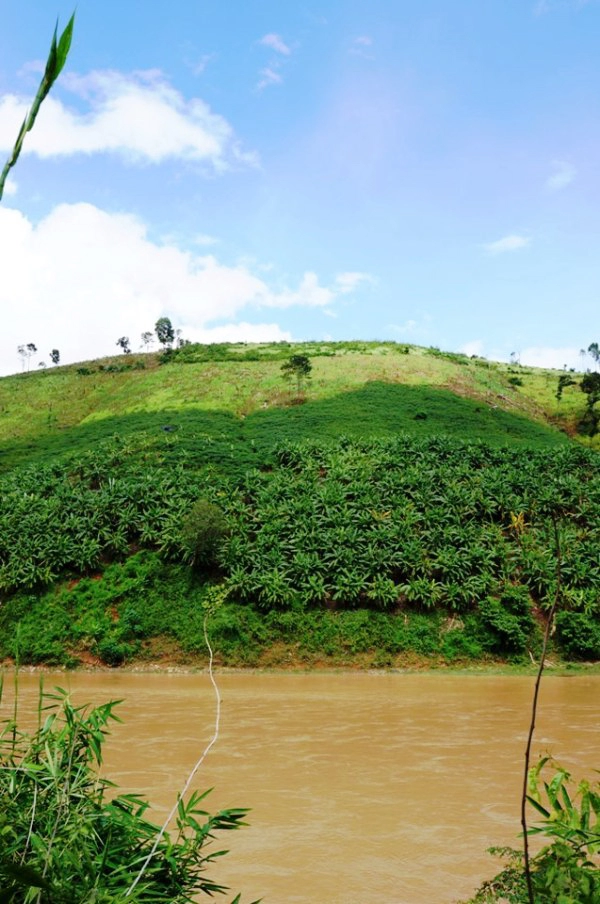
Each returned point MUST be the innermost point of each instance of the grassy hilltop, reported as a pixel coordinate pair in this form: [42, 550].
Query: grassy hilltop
[218, 388]
[400, 505]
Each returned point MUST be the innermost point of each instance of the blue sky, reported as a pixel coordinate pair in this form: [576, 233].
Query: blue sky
[422, 172]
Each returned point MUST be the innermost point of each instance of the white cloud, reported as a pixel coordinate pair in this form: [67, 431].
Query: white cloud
[139, 116]
[58, 291]
[276, 43]
[240, 332]
[348, 282]
[269, 76]
[204, 239]
[475, 347]
[309, 294]
[548, 357]
[360, 46]
[507, 243]
[414, 327]
[200, 65]
[564, 173]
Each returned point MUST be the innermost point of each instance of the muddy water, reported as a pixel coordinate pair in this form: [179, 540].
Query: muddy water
[364, 788]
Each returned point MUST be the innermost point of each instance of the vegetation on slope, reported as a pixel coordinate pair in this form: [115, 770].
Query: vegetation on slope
[47, 411]
[397, 529]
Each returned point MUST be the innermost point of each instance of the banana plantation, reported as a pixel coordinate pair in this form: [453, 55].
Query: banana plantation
[394, 526]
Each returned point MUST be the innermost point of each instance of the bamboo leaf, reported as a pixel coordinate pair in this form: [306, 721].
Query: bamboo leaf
[64, 45]
[537, 806]
[26, 875]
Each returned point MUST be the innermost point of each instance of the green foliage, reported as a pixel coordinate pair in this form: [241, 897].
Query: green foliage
[457, 357]
[390, 525]
[202, 533]
[57, 56]
[508, 615]
[428, 524]
[164, 331]
[384, 410]
[590, 384]
[594, 351]
[564, 380]
[579, 634]
[68, 836]
[565, 871]
[196, 352]
[298, 367]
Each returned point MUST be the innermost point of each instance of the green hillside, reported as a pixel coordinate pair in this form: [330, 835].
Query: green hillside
[238, 391]
[402, 504]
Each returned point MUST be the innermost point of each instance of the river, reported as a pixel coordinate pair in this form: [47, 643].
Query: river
[364, 788]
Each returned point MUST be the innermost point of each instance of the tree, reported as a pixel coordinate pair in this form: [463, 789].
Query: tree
[181, 342]
[54, 64]
[594, 351]
[297, 366]
[55, 356]
[202, 532]
[26, 351]
[563, 381]
[123, 343]
[590, 384]
[147, 338]
[164, 331]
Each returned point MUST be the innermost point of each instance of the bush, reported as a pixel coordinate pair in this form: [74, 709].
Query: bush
[578, 635]
[114, 651]
[508, 620]
[202, 532]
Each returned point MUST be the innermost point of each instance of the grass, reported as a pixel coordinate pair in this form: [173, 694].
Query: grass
[356, 389]
[234, 442]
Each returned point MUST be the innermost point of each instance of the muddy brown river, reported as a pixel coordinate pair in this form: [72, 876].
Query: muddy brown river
[364, 788]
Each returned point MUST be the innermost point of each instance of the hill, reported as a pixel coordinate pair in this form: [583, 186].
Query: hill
[234, 390]
[402, 505]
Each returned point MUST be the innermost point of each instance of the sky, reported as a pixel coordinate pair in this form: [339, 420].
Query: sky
[255, 170]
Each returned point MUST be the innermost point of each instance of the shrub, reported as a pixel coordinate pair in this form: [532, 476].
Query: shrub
[508, 619]
[202, 532]
[578, 635]
[114, 651]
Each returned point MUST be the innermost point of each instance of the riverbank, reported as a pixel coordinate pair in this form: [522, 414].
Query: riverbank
[274, 662]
